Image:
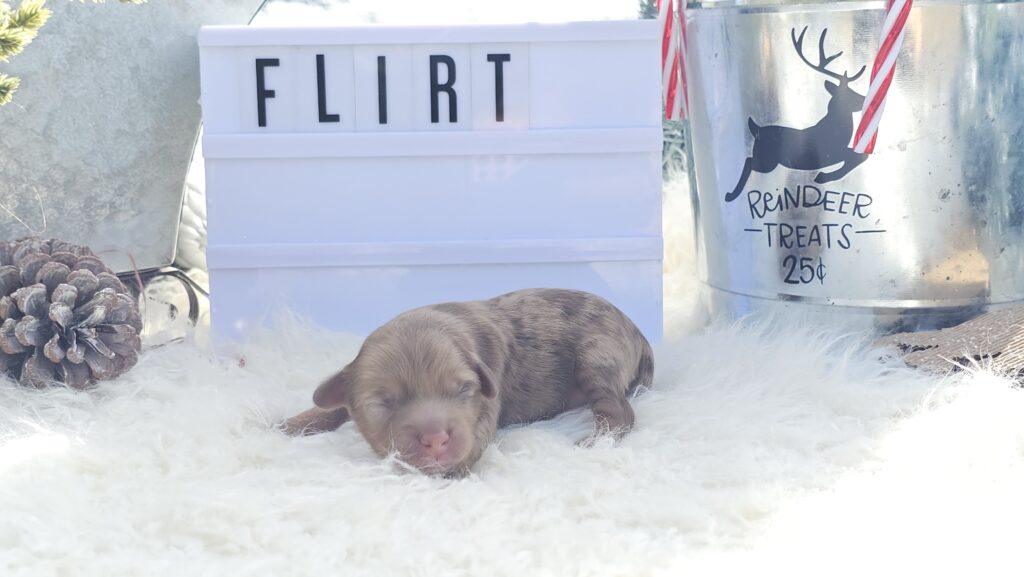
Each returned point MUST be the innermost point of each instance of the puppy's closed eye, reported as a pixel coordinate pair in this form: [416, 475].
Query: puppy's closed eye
[380, 405]
[465, 392]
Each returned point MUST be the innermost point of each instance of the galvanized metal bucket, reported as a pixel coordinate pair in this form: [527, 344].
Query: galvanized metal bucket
[924, 232]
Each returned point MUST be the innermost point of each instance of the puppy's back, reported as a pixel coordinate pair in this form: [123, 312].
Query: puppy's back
[536, 340]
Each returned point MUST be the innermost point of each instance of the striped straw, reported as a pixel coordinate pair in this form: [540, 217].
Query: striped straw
[893, 31]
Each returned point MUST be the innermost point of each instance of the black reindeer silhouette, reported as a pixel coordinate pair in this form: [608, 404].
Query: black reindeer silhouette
[814, 148]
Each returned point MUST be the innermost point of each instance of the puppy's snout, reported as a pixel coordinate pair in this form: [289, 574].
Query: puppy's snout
[435, 442]
[434, 439]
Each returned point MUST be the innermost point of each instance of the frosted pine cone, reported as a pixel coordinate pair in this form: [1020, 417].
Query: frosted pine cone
[65, 316]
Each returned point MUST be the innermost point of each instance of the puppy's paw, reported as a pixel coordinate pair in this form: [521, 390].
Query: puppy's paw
[601, 434]
[293, 427]
[312, 422]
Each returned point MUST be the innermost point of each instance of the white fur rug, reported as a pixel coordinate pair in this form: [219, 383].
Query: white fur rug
[764, 448]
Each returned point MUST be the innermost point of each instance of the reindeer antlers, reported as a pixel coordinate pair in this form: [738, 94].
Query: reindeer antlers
[823, 61]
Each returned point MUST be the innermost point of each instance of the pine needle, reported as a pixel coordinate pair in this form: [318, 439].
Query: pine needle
[8, 85]
[29, 16]
[12, 41]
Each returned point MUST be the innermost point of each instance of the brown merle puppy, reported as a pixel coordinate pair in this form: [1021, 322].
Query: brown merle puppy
[435, 383]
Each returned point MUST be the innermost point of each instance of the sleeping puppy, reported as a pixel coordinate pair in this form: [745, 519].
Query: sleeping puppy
[434, 384]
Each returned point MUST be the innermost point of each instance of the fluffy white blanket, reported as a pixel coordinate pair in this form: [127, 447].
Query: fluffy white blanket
[763, 448]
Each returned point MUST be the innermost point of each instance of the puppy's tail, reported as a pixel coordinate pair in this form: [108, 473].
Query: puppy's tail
[645, 369]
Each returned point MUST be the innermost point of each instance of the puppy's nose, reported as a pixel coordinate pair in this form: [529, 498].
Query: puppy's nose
[434, 442]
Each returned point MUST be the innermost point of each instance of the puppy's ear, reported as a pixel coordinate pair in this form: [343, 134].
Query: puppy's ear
[336, 391]
[488, 384]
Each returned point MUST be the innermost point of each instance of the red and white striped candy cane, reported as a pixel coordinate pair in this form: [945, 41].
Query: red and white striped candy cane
[673, 58]
[893, 30]
[681, 51]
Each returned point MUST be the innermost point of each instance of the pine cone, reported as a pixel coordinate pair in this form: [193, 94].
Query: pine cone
[65, 316]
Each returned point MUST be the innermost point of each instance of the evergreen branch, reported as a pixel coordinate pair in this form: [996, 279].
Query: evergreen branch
[29, 16]
[19, 27]
[12, 41]
[7, 87]
[648, 9]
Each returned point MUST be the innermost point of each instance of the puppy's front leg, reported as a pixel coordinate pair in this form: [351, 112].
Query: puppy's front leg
[313, 421]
